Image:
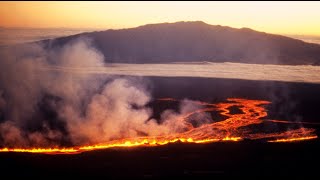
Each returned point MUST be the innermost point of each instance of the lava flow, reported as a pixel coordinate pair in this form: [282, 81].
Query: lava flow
[234, 127]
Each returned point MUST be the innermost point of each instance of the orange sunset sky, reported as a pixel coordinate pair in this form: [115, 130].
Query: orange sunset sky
[272, 17]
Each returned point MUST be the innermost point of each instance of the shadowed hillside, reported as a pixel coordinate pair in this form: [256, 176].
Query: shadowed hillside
[197, 41]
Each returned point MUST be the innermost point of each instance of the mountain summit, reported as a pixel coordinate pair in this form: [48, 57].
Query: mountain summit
[197, 41]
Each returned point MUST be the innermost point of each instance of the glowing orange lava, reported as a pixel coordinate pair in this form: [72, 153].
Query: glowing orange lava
[235, 127]
[294, 139]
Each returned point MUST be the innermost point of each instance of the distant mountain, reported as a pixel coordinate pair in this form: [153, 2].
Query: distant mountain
[197, 41]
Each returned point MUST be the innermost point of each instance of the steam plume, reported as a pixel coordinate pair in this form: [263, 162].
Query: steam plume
[42, 107]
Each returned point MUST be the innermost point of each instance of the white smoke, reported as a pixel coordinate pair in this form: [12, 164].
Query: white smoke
[24, 87]
[93, 108]
[110, 114]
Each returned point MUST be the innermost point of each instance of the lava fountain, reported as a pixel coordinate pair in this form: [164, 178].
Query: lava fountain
[234, 127]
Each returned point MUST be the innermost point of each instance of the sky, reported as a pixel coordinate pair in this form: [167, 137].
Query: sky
[300, 18]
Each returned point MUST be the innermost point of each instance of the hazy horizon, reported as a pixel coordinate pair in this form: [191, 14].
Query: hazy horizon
[271, 17]
[106, 28]
[30, 34]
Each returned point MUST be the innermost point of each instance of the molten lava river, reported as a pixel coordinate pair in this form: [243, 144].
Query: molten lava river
[234, 127]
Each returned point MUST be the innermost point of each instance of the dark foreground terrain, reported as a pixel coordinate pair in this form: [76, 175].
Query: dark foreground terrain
[183, 160]
[290, 101]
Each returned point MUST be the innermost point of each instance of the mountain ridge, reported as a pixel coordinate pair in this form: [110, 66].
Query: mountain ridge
[191, 41]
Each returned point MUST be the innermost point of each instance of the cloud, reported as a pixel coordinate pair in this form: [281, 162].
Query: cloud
[285, 73]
